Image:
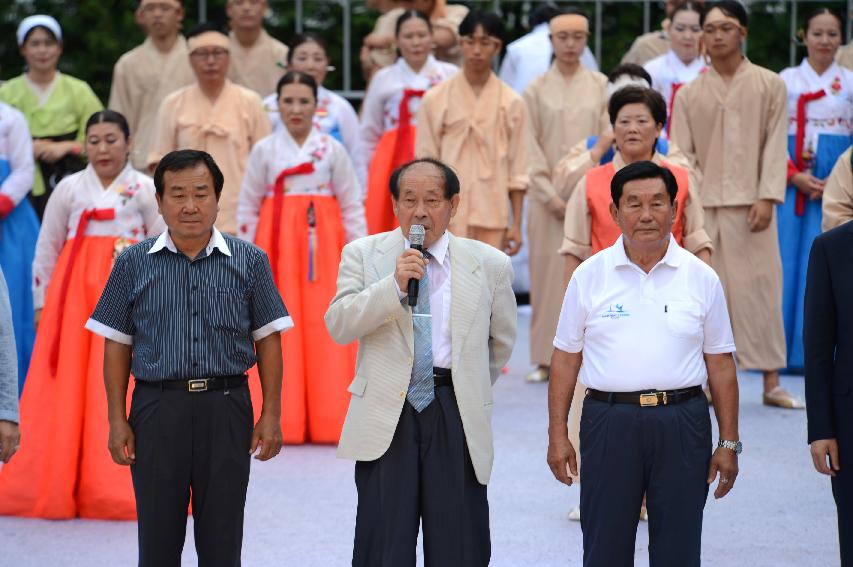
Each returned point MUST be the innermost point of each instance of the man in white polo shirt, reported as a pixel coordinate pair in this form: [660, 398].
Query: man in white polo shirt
[648, 321]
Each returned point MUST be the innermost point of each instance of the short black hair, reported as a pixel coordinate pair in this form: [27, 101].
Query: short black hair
[642, 170]
[204, 28]
[731, 8]
[305, 37]
[636, 94]
[490, 22]
[543, 14]
[112, 117]
[180, 160]
[630, 69]
[451, 180]
[297, 78]
[408, 15]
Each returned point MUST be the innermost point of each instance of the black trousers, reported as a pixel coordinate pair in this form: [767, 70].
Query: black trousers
[425, 476]
[842, 483]
[191, 443]
[628, 451]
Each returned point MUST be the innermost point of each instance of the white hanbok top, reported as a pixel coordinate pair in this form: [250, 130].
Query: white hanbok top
[334, 116]
[669, 73]
[833, 113]
[333, 176]
[380, 111]
[16, 153]
[131, 195]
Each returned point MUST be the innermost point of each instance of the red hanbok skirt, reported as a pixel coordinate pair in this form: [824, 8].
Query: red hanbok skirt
[63, 468]
[317, 370]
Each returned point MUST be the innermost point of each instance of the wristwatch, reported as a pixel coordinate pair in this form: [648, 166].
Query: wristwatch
[735, 446]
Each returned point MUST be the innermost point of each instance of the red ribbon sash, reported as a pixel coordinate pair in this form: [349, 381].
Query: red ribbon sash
[82, 225]
[404, 145]
[675, 87]
[799, 141]
[278, 202]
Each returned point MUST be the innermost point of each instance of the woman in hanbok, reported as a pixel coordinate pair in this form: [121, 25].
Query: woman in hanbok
[335, 115]
[820, 124]
[19, 229]
[389, 111]
[63, 469]
[683, 62]
[55, 105]
[301, 203]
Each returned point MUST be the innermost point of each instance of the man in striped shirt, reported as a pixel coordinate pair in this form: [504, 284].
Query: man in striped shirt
[188, 314]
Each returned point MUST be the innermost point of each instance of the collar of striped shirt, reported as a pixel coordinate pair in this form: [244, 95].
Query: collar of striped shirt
[216, 241]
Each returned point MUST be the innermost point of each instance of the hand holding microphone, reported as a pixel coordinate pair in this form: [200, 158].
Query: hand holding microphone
[411, 265]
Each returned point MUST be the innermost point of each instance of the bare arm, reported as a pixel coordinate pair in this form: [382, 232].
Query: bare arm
[562, 458]
[267, 431]
[122, 442]
[722, 380]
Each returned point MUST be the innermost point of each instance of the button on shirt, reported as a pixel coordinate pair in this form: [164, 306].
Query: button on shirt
[642, 331]
[438, 272]
[190, 318]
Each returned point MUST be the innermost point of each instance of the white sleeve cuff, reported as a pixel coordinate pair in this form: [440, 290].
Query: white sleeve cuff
[279, 325]
[109, 333]
[724, 349]
[566, 347]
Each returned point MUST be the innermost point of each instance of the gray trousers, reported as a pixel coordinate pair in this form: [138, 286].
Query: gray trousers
[191, 443]
[425, 477]
[628, 451]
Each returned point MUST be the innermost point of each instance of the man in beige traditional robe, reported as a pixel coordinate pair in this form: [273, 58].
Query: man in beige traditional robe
[213, 115]
[258, 60]
[845, 56]
[565, 105]
[838, 193]
[732, 122]
[655, 43]
[476, 124]
[145, 75]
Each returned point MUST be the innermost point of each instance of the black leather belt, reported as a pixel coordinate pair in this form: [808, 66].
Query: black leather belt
[648, 398]
[442, 377]
[197, 384]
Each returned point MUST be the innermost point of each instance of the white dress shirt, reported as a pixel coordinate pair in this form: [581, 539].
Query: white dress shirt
[641, 331]
[438, 272]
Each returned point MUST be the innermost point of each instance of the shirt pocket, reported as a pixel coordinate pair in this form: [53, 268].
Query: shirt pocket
[684, 319]
[226, 310]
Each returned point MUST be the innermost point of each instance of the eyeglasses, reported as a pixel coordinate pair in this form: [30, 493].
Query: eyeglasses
[203, 55]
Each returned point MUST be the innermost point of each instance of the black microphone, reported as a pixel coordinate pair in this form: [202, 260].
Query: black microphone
[416, 238]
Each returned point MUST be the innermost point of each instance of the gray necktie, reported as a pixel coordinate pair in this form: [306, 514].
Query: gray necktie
[422, 384]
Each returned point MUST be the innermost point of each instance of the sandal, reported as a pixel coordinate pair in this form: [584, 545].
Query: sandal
[779, 397]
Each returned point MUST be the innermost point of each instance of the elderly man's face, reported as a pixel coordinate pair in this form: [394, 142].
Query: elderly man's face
[645, 213]
[210, 64]
[422, 201]
[189, 204]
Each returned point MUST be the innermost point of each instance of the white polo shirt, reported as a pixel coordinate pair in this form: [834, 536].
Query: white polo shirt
[642, 331]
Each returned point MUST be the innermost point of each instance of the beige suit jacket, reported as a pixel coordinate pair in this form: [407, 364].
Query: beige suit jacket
[368, 309]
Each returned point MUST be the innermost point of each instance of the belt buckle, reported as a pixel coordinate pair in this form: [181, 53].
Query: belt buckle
[650, 400]
[198, 385]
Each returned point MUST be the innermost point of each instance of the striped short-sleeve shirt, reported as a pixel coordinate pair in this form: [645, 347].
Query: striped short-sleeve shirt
[190, 318]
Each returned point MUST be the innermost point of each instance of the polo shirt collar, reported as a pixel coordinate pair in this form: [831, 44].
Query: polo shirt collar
[672, 257]
[217, 241]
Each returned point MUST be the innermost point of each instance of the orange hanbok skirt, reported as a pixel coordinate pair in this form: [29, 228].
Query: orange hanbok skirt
[64, 469]
[317, 370]
[378, 206]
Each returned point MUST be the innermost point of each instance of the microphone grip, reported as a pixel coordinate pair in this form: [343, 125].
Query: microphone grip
[414, 285]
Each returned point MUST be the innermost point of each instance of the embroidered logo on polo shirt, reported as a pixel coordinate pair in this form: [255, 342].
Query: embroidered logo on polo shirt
[615, 311]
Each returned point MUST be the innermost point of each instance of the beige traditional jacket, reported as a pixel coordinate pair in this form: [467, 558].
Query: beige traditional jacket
[838, 193]
[260, 66]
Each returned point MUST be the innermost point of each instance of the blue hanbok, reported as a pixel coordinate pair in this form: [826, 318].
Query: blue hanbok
[662, 148]
[19, 228]
[820, 125]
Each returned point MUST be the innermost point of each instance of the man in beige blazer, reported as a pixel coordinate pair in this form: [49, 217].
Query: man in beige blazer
[419, 422]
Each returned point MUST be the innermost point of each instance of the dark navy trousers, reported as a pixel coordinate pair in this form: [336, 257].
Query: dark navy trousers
[628, 451]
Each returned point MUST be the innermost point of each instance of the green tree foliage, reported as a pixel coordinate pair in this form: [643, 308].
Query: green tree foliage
[97, 32]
